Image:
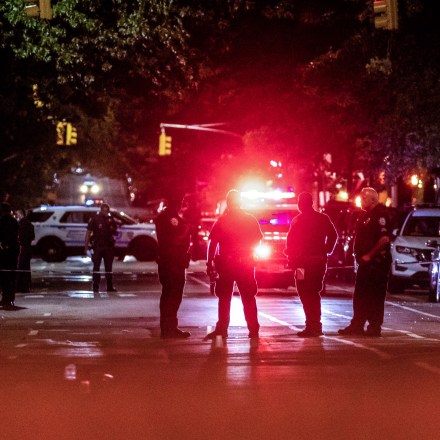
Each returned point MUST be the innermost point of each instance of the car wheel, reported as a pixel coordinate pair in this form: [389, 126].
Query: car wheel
[52, 250]
[434, 288]
[395, 285]
[143, 249]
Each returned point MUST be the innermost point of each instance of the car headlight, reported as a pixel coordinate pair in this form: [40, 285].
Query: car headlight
[263, 251]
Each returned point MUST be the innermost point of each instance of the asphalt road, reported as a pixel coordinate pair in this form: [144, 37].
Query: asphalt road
[74, 365]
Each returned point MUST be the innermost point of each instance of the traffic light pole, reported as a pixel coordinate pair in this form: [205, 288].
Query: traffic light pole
[202, 127]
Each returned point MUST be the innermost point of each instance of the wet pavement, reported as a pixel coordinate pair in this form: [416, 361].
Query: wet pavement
[78, 366]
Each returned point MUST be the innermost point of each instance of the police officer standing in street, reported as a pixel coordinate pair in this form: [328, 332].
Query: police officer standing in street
[311, 238]
[26, 234]
[173, 236]
[232, 242]
[372, 253]
[8, 255]
[101, 235]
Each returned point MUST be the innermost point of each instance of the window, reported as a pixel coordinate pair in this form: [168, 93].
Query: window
[422, 227]
[39, 217]
[73, 217]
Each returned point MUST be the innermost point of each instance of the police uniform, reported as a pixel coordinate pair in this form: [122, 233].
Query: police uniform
[26, 234]
[371, 278]
[8, 258]
[104, 230]
[237, 234]
[312, 236]
[173, 236]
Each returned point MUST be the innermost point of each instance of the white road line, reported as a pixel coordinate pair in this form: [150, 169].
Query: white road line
[428, 367]
[412, 310]
[124, 295]
[198, 281]
[33, 333]
[380, 353]
[278, 321]
[20, 345]
[409, 334]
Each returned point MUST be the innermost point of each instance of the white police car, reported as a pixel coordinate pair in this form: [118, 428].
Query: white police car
[60, 232]
[410, 250]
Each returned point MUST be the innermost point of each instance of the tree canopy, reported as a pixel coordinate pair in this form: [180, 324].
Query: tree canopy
[295, 78]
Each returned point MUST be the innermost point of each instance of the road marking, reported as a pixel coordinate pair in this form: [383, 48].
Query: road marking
[361, 346]
[33, 296]
[407, 333]
[278, 321]
[47, 314]
[336, 339]
[203, 283]
[412, 310]
[20, 345]
[33, 333]
[124, 295]
[428, 367]
[39, 322]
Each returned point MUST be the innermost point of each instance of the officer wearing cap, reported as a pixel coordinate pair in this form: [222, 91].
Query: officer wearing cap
[173, 237]
[311, 238]
[231, 245]
[101, 234]
[372, 253]
[9, 249]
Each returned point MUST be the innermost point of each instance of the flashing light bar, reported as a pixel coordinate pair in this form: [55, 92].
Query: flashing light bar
[271, 195]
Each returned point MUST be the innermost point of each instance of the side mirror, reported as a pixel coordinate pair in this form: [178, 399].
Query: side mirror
[432, 243]
[395, 232]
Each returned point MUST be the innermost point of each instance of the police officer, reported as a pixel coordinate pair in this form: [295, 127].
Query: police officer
[173, 236]
[8, 255]
[101, 235]
[311, 238]
[26, 234]
[372, 253]
[232, 241]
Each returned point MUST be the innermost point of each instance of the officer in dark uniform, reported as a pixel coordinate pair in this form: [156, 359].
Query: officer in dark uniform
[232, 242]
[101, 234]
[26, 234]
[311, 238]
[8, 255]
[372, 253]
[173, 236]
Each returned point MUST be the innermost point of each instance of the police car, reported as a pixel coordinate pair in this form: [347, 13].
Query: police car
[60, 232]
[411, 250]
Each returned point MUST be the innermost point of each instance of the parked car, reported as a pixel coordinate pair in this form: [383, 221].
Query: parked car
[60, 232]
[412, 249]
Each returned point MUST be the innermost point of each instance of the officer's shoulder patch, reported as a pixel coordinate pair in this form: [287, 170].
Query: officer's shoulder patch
[382, 221]
[174, 221]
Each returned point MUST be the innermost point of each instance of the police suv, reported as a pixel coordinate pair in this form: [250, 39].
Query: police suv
[60, 232]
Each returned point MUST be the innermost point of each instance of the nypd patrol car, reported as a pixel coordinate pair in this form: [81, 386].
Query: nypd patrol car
[60, 232]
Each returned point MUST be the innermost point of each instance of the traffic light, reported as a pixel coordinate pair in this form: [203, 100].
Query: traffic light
[71, 134]
[385, 14]
[164, 145]
[61, 133]
[39, 8]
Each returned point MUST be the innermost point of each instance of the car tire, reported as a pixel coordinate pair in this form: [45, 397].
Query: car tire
[395, 285]
[434, 288]
[143, 249]
[52, 250]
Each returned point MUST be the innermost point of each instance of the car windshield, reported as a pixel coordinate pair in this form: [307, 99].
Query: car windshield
[422, 227]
